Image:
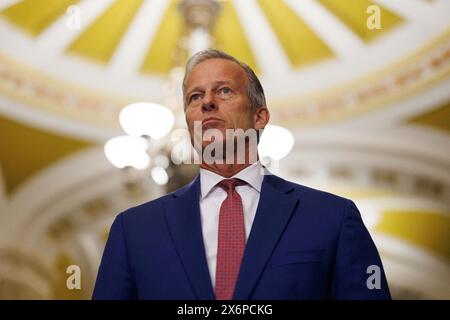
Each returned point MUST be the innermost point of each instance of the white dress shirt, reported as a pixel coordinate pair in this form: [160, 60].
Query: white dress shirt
[211, 199]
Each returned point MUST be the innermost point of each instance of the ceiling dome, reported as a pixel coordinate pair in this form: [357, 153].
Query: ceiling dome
[318, 60]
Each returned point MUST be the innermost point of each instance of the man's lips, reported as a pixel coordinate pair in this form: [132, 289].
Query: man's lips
[210, 121]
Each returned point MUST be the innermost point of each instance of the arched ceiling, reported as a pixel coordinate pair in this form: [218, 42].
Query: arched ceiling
[25, 151]
[318, 60]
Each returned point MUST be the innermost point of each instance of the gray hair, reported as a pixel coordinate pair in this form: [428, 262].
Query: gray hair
[255, 91]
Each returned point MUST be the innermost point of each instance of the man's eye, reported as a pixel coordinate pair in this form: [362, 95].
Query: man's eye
[225, 90]
[194, 97]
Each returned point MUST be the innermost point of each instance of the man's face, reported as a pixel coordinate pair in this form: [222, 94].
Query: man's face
[216, 95]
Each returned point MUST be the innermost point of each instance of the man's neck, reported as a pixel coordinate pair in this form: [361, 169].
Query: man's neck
[228, 170]
[225, 170]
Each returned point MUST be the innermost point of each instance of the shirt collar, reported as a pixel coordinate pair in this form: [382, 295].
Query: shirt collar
[252, 175]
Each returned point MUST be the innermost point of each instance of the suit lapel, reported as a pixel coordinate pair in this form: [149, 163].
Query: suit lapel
[275, 207]
[183, 218]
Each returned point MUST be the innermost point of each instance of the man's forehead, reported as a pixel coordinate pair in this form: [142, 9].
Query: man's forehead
[215, 70]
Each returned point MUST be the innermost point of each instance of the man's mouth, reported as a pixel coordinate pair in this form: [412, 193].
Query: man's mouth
[210, 121]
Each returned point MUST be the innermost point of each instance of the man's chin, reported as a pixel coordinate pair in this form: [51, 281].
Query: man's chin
[213, 144]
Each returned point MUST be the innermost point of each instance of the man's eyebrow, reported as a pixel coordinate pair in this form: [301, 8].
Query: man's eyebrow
[193, 90]
[215, 85]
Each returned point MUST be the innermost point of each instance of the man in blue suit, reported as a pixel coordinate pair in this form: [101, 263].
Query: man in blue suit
[236, 231]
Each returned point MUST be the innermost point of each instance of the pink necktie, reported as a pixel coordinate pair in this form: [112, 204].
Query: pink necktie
[231, 241]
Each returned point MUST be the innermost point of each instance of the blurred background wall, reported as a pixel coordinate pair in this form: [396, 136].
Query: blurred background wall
[362, 86]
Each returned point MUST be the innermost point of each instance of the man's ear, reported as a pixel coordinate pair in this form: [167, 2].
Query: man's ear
[261, 117]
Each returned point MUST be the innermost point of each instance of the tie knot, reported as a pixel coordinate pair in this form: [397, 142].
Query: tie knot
[230, 184]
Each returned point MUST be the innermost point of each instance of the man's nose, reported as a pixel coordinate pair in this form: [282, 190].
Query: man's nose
[208, 103]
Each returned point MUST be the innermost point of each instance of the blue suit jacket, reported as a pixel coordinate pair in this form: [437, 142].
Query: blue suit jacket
[304, 244]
